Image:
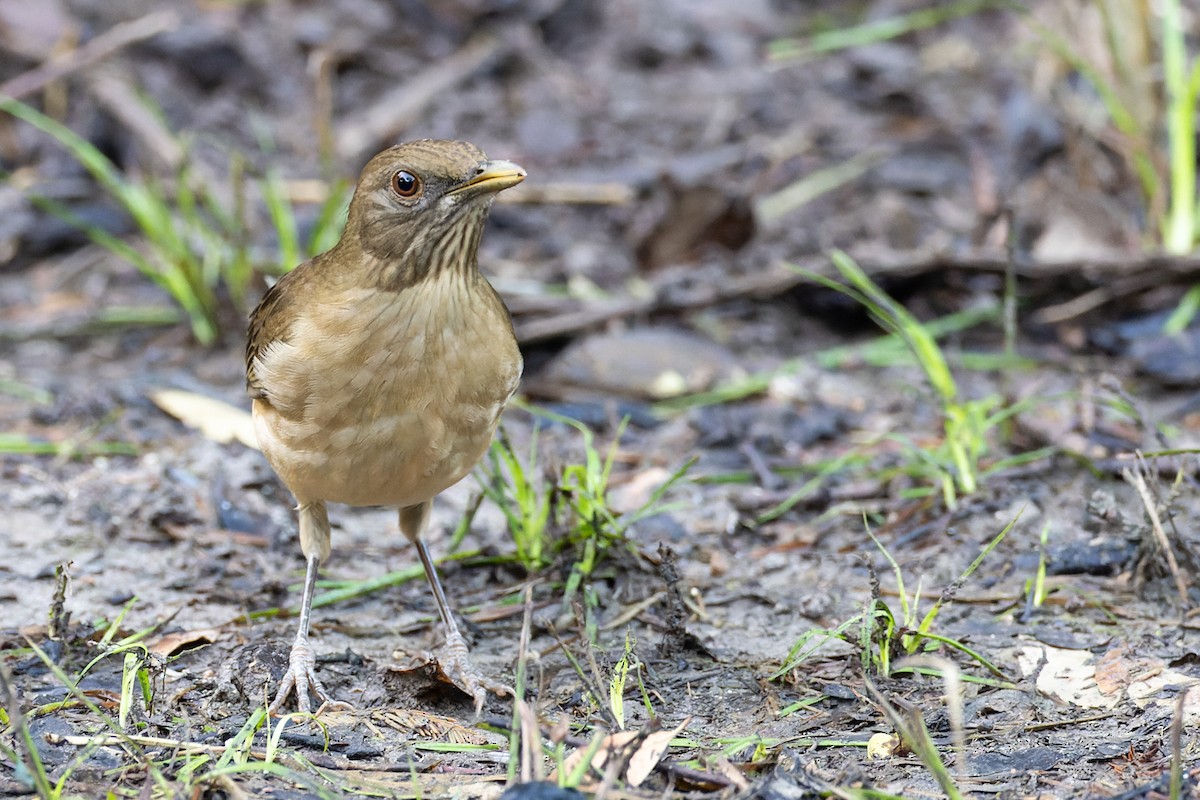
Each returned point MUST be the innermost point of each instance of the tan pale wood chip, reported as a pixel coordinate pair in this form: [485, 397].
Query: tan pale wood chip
[217, 420]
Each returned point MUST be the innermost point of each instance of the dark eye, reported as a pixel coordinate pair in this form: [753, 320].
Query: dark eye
[405, 184]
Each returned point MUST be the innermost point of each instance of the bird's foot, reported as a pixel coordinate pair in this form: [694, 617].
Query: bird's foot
[301, 677]
[455, 661]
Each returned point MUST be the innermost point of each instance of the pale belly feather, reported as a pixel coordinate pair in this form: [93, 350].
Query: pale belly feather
[394, 412]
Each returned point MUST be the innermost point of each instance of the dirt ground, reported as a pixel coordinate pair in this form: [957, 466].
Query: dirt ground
[645, 256]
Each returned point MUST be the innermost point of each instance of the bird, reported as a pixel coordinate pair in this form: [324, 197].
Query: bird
[378, 370]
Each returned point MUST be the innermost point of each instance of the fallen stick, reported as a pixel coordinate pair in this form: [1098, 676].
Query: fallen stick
[581, 316]
[1117, 277]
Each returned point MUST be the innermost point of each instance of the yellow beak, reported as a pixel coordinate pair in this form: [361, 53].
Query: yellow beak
[493, 176]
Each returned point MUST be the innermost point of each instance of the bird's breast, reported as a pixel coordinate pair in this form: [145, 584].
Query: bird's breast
[382, 398]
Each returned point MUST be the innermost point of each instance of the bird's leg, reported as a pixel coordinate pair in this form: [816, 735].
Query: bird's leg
[301, 672]
[455, 659]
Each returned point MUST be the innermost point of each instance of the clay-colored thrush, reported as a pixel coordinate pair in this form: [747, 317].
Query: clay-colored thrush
[378, 370]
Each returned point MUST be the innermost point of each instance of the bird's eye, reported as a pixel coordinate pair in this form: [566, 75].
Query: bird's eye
[405, 184]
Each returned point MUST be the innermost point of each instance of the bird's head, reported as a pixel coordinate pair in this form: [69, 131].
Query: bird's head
[419, 207]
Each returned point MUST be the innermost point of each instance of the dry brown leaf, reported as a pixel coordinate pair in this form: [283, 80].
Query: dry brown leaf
[1078, 678]
[428, 726]
[172, 643]
[1115, 670]
[217, 420]
[653, 748]
[637, 492]
[735, 775]
[1066, 675]
[611, 743]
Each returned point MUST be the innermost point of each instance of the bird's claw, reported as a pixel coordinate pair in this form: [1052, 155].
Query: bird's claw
[301, 677]
[455, 661]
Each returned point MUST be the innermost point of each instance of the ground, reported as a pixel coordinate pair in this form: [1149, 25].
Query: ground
[682, 166]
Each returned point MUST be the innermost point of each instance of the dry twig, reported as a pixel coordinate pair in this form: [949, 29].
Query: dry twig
[1138, 481]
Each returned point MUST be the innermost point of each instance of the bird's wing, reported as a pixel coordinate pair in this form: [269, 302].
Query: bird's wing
[269, 323]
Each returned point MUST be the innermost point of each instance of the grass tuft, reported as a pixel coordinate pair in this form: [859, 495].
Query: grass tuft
[551, 514]
[882, 633]
[192, 247]
[955, 463]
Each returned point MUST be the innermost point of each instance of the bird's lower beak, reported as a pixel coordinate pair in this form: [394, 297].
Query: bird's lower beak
[493, 176]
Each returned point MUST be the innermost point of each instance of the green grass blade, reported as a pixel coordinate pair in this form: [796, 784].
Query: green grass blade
[176, 269]
[801, 650]
[974, 655]
[283, 218]
[95, 162]
[794, 196]
[810, 486]
[931, 615]
[1180, 233]
[877, 30]
[330, 220]
[896, 317]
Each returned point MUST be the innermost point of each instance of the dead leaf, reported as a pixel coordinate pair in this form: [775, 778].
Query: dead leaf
[217, 420]
[614, 742]
[1068, 676]
[1078, 678]
[173, 643]
[1115, 669]
[428, 726]
[653, 748]
[735, 775]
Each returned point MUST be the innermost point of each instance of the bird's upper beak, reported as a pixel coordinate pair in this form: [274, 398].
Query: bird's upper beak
[492, 176]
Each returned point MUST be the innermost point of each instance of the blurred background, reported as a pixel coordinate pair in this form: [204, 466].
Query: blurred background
[679, 152]
[726, 199]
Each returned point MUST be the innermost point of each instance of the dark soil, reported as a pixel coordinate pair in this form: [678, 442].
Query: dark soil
[643, 257]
